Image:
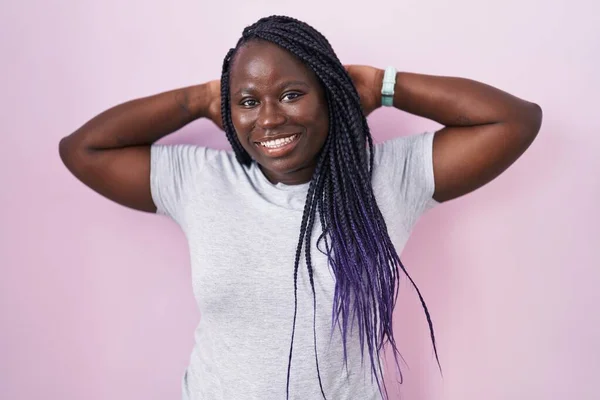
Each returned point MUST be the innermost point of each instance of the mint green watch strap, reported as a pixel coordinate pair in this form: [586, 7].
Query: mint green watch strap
[387, 89]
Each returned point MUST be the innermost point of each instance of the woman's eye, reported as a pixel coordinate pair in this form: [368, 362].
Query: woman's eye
[291, 96]
[249, 103]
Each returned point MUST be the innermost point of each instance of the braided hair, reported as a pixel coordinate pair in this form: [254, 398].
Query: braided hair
[357, 245]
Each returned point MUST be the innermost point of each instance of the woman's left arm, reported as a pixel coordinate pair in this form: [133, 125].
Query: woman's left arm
[485, 129]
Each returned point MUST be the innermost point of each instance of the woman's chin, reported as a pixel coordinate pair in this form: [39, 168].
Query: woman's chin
[289, 172]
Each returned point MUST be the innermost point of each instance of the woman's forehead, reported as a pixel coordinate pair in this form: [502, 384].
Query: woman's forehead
[265, 61]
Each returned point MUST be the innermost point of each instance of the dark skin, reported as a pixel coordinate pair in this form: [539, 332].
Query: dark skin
[485, 129]
[273, 95]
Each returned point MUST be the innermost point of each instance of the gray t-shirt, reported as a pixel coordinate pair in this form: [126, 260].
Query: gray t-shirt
[242, 232]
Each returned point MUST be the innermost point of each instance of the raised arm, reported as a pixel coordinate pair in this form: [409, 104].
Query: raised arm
[485, 129]
[111, 152]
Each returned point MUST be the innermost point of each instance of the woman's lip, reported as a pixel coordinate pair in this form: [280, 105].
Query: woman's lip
[279, 151]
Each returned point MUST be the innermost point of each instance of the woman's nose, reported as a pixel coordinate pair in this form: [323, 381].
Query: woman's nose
[271, 116]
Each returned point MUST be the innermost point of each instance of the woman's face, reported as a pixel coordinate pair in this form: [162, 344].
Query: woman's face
[279, 111]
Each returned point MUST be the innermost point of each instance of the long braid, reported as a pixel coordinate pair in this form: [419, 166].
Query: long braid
[357, 245]
[242, 156]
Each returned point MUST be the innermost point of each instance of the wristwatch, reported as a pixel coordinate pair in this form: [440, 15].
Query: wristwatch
[387, 89]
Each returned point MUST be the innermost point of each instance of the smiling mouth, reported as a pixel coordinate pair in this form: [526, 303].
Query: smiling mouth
[278, 143]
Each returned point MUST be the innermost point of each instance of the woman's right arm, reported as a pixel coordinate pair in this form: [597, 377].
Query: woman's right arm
[111, 152]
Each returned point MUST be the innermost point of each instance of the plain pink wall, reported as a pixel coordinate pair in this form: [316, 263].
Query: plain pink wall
[95, 299]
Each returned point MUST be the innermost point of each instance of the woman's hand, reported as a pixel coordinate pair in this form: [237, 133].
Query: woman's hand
[368, 81]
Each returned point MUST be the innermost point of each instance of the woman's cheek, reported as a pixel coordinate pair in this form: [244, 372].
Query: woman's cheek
[244, 121]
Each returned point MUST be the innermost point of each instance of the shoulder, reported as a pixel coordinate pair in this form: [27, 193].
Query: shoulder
[189, 160]
[183, 167]
[180, 172]
[403, 179]
[189, 153]
[417, 146]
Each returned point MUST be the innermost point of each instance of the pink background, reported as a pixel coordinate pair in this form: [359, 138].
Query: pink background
[95, 299]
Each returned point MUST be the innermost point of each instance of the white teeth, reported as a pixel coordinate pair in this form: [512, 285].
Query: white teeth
[278, 142]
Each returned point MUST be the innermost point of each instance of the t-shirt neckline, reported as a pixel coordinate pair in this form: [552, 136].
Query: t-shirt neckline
[266, 183]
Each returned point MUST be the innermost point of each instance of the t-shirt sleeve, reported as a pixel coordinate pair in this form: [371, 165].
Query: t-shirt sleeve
[403, 166]
[173, 171]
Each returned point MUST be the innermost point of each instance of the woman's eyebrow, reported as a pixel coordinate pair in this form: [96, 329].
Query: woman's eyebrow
[293, 83]
[281, 86]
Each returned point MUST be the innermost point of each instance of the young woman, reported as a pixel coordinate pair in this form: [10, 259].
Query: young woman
[295, 234]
